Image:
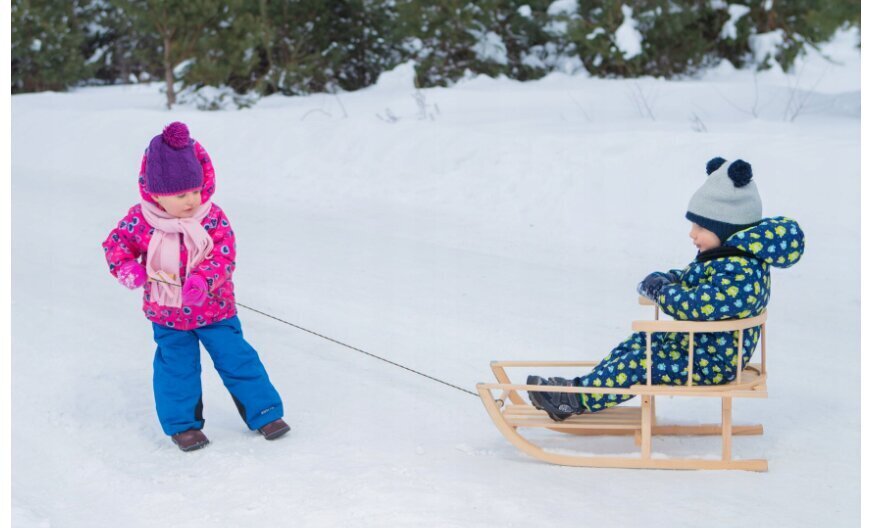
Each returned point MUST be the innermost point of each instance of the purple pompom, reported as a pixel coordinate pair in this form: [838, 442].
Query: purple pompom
[176, 135]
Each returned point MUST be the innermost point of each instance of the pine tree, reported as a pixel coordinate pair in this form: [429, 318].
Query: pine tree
[180, 26]
[226, 52]
[675, 38]
[358, 41]
[119, 48]
[682, 38]
[522, 26]
[48, 45]
[315, 45]
[442, 38]
[801, 22]
[297, 47]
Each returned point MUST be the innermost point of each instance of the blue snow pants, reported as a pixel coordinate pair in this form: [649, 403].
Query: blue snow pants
[177, 376]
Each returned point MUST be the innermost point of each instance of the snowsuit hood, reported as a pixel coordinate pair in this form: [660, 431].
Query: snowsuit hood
[778, 241]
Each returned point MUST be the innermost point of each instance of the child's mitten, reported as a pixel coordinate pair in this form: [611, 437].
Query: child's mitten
[132, 274]
[652, 284]
[194, 291]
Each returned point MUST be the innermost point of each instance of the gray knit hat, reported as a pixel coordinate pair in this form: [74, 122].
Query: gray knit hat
[728, 202]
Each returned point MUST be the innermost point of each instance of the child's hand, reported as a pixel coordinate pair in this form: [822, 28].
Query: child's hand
[194, 291]
[132, 275]
[652, 284]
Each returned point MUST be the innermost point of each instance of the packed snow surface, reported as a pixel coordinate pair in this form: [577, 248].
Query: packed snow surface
[442, 230]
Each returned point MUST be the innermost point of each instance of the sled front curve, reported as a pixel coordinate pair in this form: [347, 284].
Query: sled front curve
[511, 413]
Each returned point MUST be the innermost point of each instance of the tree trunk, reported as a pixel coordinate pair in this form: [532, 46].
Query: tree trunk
[168, 73]
[264, 25]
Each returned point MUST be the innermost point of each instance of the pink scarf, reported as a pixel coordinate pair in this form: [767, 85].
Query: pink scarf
[162, 256]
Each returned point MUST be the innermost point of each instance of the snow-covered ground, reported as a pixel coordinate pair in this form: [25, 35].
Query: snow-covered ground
[512, 224]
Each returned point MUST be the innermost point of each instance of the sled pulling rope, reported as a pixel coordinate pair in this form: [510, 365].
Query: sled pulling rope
[341, 343]
[351, 347]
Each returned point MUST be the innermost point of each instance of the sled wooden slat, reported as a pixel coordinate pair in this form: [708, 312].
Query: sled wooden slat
[511, 413]
[611, 419]
[699, 327]
[543, 363]
[576, 421]
[739, 357]
[763, 347]
[672, 430]
[690, 349]
[502, 377]
[546, 422]
[620, 412]
[706, 430]
[645, 438]
[753, 385]
[726, 428]
[648, 359]
[616, 419]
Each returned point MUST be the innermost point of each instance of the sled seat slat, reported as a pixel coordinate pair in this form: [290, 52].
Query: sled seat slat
[616, 418]
[751, 385]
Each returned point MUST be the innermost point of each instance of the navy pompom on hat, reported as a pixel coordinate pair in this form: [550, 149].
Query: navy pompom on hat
[171, 164]
[728, 202]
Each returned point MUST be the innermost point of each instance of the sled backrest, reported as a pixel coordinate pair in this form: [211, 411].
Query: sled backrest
[699, 327]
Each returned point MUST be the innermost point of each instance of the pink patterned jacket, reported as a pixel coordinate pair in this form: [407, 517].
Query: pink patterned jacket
[130, 240]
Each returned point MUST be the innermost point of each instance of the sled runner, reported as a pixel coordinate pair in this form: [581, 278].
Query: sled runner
[512, 414]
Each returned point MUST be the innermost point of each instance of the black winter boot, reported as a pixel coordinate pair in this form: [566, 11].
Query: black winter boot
[558, 405]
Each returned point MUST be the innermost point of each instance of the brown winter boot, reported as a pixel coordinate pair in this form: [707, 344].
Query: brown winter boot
[190, 440]
[275, 429]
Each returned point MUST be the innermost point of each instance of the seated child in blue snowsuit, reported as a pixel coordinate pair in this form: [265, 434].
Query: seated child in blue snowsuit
[729, 279]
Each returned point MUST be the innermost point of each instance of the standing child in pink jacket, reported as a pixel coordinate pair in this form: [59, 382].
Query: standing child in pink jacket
[179, 246]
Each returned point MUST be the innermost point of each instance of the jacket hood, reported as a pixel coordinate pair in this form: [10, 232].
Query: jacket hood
[209, 175]
[778, 241]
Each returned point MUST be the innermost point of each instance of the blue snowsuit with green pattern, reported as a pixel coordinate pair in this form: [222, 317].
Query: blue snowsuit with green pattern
[732, 282]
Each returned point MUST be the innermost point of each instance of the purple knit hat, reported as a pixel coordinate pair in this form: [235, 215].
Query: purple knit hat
[171, 164]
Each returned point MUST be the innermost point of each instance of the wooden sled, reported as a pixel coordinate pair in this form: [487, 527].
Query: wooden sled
[511, 413]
